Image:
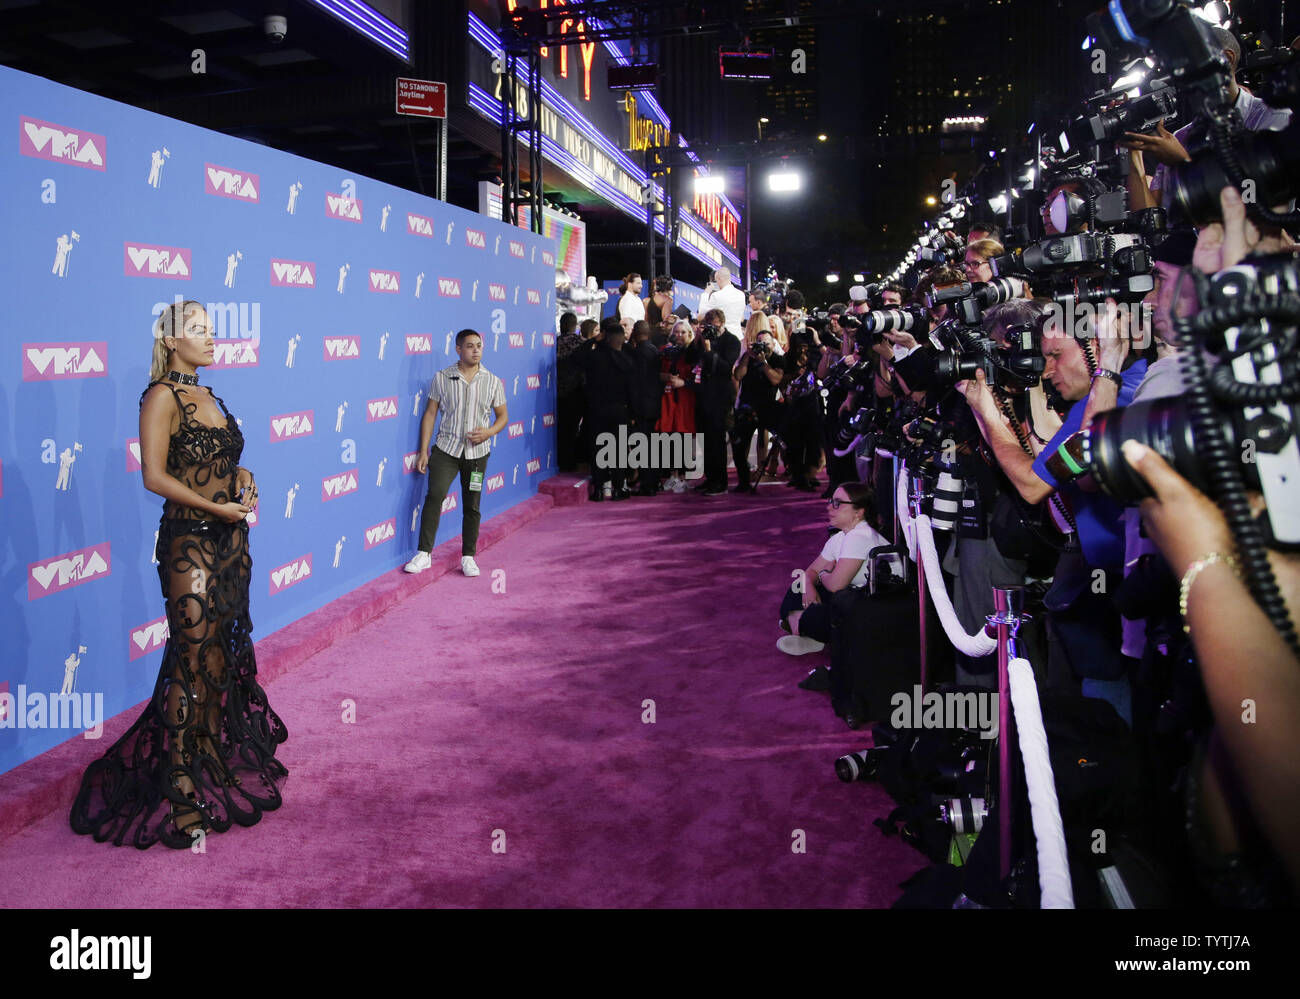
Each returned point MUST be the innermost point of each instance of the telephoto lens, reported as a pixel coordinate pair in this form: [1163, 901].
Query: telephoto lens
[965, 815]
[946, 509]
[858, 766]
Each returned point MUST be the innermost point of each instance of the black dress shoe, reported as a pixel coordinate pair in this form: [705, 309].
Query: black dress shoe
[818, 679]
[595, 495]
[714, 490]
[622, 494]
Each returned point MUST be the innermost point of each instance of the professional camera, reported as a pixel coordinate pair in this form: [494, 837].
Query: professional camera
[1014, 367]
[710, 332]
[1139, 114]
[904, 319]
[856, 376]
[1120, 253]
[761, 350]
[937, 248]
[967, 300]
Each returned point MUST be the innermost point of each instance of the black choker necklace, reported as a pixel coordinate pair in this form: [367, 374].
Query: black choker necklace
[176, 376]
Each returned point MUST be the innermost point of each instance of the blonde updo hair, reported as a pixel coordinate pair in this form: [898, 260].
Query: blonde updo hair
[170, 323]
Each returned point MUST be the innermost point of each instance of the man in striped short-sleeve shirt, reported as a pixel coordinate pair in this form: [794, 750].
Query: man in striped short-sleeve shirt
[467, 394]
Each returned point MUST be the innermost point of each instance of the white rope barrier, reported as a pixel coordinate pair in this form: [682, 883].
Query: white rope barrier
[1044, 809]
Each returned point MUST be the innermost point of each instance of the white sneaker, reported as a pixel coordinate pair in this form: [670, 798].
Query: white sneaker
[675, 485]
[797, 645]
[468, 566]
[607, 490]
[419, 563]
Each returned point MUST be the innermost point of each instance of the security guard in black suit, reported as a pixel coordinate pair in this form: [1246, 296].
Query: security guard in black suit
[609, 397]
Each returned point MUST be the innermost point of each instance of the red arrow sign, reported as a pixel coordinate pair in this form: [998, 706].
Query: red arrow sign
[421, 98]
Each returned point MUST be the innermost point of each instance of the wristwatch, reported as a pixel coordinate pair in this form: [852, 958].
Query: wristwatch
[1110, 375]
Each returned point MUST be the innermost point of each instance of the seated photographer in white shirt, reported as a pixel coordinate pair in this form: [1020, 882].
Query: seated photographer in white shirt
[841, 565]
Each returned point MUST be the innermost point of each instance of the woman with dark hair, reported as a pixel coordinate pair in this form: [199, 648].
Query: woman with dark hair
[205, 745]
[841, 565]
[659, 311]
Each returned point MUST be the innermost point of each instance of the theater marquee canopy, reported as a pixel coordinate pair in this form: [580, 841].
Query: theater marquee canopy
[596, 135]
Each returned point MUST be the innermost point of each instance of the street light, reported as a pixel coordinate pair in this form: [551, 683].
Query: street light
[710, 185]
[786, 180]
[931, 200]
[832, 278]
[859, 278]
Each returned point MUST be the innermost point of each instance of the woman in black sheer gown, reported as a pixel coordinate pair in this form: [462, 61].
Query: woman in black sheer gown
[202, 755]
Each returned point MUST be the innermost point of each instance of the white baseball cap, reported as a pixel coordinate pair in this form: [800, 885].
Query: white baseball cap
[858, 293]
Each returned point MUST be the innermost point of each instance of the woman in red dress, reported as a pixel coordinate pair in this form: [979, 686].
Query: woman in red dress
[677, 411]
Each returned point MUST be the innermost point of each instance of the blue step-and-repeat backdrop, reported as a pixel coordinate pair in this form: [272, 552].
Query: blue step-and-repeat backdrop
[334, 298]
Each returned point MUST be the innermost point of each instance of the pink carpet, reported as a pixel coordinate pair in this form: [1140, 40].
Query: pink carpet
[515, 718]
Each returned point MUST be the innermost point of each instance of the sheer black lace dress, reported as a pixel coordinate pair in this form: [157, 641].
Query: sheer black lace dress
[202, 755]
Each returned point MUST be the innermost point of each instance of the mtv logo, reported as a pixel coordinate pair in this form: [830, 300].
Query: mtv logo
[143, 260]
[408, 462]
[534, 382]
[476, 239]
[61, 144]
[334, 486]
[515, 430]
[419, 225]
[548, 419]
[516, 339]
[380, 533]
[497, 292]
[449, 287]
[291, 425]
[342, 347]
[133, 455]
[516, 249]
[44, 362]
[449, 503]
[148, 638]
[419, 343]
[534, 465]
[534, 297]
[290, 574]
[385, 281]
[229, 183]
[235, 354]
[65, 571]
[293, 274]
[339, 207]
[495, 482]
[381, 409]
[548, 258]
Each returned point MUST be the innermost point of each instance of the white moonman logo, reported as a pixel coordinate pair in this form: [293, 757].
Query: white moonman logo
[343, 276]
[66, 461]
[419, 283]
[49, 361]
[290, 496]
[339, 207]
[294, 191]
[383, 218]
[157, 160]
[62, 247]
[338, 419]
[334, 486]
[142, 260]
[290, 574]
[419, 225]
[232, 262]
[227, 183]
[419, 343]
[61, 144]
[338, 549]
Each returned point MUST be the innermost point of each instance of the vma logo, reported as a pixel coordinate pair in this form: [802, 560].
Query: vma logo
[497, 292]
[341, 347]
[380, 533]
[43, 362]
[548, 419]
[449, 287]
[408, 462]
[495, 482]
[142, 260]
[291, 425]
[548, 339]
[534, 381]
[290, 574]
[548, 258]
[516, 339]
[449, 503]
[419, 343]
[66, 571]
[515, 430]
[534, 297]
[419, 225]
[381, 409]
[61, 144]
[534, 465]
[227, 183]
[475, 239]
[235, 354]
[133, 455]
[386, 281]
[293, 274]
[148, 638]
[339, 207]
[516, 249]
[334, 486]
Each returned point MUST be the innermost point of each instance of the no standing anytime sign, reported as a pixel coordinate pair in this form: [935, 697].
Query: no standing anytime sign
[421, 98]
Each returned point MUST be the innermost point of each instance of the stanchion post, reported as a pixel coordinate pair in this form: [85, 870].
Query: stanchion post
[916, 498]
[1008, 607]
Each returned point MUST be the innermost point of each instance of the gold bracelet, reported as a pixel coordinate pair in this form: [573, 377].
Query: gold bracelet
[1194, 570]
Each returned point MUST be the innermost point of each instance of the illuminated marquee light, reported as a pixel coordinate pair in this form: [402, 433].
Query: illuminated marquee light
[586, 49]
[370, 23]
[709, 208]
